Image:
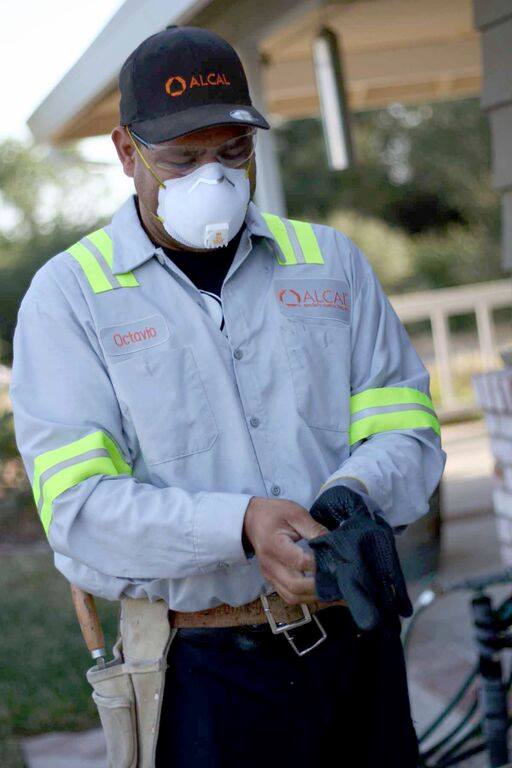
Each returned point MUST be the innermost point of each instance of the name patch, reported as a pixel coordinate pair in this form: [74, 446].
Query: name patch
[313, 297]
[134, 335]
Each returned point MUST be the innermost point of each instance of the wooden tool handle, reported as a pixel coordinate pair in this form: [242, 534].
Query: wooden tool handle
[89, 621]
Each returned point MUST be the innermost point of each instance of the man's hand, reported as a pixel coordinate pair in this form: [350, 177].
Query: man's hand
[273, 527]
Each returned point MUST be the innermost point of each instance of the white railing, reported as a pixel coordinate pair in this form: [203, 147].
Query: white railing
[437, 306]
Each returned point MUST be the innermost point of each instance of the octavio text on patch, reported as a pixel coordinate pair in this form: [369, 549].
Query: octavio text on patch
[132, 337]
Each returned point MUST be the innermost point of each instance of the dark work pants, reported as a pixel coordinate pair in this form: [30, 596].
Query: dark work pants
[241, 697]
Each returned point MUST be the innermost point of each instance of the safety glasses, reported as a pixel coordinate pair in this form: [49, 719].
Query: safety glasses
[182, 159]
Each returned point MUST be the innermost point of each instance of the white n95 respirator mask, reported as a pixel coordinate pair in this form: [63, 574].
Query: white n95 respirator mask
[205, 208]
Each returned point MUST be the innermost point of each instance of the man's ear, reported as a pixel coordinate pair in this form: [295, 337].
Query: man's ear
[125, 149]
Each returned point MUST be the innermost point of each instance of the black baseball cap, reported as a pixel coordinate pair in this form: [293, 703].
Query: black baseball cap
[180, 80]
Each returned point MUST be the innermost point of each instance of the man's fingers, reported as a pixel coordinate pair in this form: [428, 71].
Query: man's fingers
[307, 526]
[293, 599]
[291, 555]
[292, 580]
[293, 587]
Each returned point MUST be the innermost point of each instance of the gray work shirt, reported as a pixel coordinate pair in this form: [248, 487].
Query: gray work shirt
[203, 420]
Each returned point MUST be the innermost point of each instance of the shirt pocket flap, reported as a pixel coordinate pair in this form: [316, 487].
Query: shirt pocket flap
[318, 356]
[166, 398]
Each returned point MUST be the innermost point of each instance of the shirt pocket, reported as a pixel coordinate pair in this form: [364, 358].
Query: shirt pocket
[318, 357]
[167, 402]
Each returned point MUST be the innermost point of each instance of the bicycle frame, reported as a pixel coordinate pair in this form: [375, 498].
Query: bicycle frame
[489, 701]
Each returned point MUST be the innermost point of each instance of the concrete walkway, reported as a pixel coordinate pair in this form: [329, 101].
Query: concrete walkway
[65, 750]
[441, 649]
[467, 479]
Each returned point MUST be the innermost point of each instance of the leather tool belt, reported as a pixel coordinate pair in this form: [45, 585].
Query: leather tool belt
[251, 613]
[266, 608]
[128, 690]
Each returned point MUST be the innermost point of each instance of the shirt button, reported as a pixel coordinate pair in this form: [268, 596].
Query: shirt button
[222, 564]
[254, 421]
[238, 354]
[275, 490]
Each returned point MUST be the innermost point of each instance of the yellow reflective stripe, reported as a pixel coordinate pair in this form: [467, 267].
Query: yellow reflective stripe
[97, 439]
[114, 463]
[306, 239]
[103, 243]
[385, 422]
[127, 279]
[278, 229]
[308, 242]
[69, 477]
[380, 396]
[91, 268]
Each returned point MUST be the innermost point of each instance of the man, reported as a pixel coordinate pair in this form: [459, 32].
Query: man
[187, 381]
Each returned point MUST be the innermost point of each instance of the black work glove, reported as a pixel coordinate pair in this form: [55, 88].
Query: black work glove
[357, 560]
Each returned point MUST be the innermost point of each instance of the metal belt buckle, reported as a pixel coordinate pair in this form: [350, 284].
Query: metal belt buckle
[278, 627]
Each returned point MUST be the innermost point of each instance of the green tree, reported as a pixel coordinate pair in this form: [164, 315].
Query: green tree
[422, 171]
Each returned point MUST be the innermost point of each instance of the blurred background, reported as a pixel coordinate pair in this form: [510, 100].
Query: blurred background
[391, 121]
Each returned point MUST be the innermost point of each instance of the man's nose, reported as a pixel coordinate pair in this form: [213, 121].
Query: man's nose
[209, 155]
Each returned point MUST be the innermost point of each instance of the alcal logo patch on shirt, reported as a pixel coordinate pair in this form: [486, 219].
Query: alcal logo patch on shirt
[313, 297]
[134, 335]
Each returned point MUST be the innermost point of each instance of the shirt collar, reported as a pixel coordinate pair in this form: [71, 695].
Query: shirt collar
[255, 222]
[132, 247]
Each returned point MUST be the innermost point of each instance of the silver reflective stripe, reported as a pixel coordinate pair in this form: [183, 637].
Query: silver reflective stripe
[389, 409]
[92, 454]
[299, 255]
[112, 279]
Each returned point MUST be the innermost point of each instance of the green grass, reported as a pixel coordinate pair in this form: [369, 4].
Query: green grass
[43, 657]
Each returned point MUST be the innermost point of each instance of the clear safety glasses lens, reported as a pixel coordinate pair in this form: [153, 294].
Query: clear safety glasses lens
[182, 159]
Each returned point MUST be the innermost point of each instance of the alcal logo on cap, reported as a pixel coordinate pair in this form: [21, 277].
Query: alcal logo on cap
[176, 85]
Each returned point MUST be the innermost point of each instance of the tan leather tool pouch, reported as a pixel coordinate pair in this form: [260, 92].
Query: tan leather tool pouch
[128, 690]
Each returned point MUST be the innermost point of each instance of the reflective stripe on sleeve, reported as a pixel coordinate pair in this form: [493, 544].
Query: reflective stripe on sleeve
[370, 398]
[387, 408]
[61, 468]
